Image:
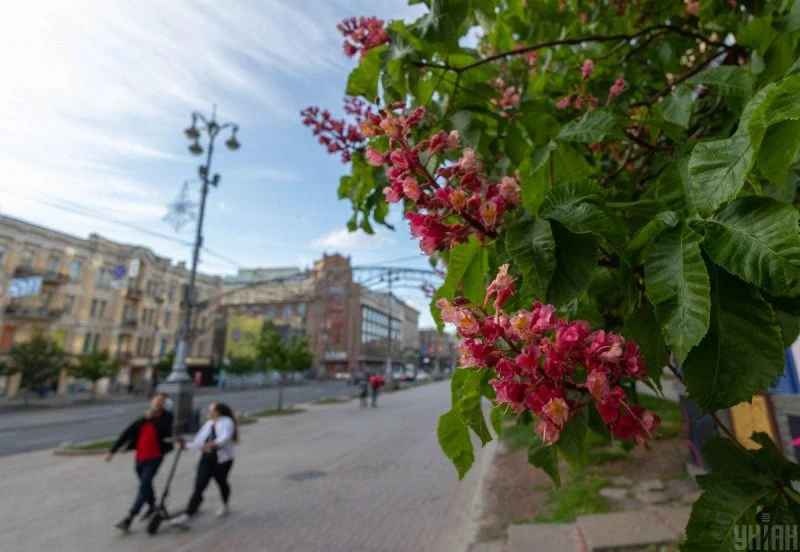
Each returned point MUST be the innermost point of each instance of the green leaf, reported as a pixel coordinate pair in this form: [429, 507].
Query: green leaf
[779, 150]
[572, 205]
[593, 127]
[533, 251]
[757, 239]
[497, 416]
[474, 281]
[742, 353]
[788, 316]
[651, 230]
[727, 80]
[576, 260]
[545, 457]
[363, 80]
[454, 440]
[717, 170]
[677, 107]
[677, 284]
[458, 262]
[737, 487]
[642, 327]
[572, 441]
[725, 506]
[469, 404]
[517, 144]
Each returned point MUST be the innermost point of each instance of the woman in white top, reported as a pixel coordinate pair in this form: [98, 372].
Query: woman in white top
[216, 439]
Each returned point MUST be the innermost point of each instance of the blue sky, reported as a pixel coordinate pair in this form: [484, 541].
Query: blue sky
[96, 96]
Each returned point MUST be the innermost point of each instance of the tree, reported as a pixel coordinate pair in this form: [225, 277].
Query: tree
[631, 169]
[38, 361]
[240, 366]
[95, 366]
[273, 352]
[299, 357]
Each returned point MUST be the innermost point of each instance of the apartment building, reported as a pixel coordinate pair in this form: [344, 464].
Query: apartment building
[96, 294]
[347, 325]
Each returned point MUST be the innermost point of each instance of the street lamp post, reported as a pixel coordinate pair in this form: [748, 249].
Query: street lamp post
[179, 384]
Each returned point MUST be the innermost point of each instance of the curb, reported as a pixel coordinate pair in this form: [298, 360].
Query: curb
[478, 505]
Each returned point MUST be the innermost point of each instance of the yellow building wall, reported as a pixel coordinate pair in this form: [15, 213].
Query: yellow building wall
[241, 335]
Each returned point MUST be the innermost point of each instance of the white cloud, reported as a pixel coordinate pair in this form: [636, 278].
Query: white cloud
[344, 241]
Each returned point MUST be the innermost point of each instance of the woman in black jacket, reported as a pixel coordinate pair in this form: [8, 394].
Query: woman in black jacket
[148, 436]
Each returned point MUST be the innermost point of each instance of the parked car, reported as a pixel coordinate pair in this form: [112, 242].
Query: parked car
[423, 376]
[342, 376]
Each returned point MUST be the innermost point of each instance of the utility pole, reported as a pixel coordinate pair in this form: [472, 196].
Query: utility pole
[179, 384]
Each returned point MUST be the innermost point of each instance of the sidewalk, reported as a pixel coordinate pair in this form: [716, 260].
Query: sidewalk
[335, 478]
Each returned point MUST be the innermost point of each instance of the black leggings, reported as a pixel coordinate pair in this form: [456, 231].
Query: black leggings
[209, 468]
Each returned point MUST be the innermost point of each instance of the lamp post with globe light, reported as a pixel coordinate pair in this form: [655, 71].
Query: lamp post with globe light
[179, 384]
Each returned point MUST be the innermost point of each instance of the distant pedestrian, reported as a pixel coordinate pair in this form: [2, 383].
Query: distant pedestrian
[375, 383]
[364, 394]
[216, 439]
[148, 436]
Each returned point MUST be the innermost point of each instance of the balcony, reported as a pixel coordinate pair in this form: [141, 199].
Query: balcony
[130, 322]
[49, 277]
[33, 313]
[133, 294]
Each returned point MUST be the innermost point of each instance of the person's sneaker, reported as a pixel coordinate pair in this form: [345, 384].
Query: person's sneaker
[124, 525]
[223, 511]
[180, 521]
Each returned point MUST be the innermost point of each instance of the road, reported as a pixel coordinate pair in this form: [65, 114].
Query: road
[35, 429]
[336, 478]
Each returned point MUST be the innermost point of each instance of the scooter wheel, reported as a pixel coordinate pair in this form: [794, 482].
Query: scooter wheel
[154, 523]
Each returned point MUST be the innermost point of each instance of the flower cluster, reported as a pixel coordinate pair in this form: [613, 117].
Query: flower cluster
[582, 99]
[550, 366]
[508, 97]
[445, 204]
[337, 135]
[361, 34]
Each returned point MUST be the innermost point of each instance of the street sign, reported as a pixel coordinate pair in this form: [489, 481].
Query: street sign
[25, 287]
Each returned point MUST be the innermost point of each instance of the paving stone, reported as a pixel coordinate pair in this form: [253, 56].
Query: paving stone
[651, 497]
[614, 493]
[650, 485]
[543, 537]
[625, 529]
[621, 481]
[673, 517]
[489, 546]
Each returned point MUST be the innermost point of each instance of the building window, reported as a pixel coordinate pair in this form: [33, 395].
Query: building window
[87, 342]
[53, 263]
[96, 343]
[167, 318]
[75, 268]
[2, 255]
[26, 259]
[102, 310]
[287, 311]
[301, 309]
[172, 288]
[104, 277]
[69, 303]
[162, 350]
[93, 312]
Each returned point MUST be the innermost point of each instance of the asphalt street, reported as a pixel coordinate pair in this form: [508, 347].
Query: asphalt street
[25, 430]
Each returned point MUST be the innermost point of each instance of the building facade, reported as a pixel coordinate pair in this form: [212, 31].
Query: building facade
[346, 324]
[98, 295]
[438, 351]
